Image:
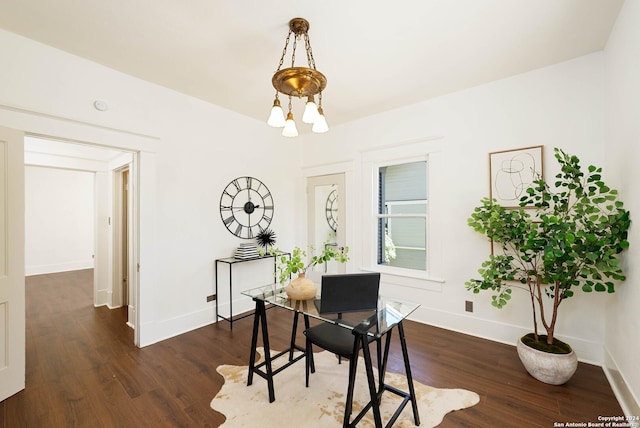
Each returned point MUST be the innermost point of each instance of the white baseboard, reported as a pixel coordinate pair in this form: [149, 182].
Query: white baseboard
[165, 329]
[102, 298]
[630, 404]
[131, 315]
[58, 267]
[158, 331]
[239, 306]
[587, 352]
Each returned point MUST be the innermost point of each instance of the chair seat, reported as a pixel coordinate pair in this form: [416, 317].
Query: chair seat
[333, 338]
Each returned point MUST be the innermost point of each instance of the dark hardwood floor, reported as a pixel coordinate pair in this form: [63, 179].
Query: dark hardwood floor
[84, 371]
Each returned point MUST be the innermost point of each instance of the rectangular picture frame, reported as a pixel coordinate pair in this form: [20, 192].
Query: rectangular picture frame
[512, 171]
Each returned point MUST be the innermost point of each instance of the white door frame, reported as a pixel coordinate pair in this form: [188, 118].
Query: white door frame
[117, 297]
[119, 243]
[56, 127]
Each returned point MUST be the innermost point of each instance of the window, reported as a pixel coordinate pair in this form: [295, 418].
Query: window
[403, 194]
[402, 215]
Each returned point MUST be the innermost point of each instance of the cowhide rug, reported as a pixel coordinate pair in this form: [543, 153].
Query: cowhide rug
[322, 404]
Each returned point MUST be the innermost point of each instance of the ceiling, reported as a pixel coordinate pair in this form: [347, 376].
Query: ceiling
[377, 55]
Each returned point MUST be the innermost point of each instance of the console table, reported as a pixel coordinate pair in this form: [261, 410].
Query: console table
[231, 262]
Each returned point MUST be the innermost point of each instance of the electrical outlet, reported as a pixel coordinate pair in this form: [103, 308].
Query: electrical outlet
[468, 306]
[211, 298]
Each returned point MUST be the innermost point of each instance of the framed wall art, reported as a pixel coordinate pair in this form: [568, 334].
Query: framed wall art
[511, 172]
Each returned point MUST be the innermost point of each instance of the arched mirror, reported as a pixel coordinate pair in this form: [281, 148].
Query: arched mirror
[326, 214]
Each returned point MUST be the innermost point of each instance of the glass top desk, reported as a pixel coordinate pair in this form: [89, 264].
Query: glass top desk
[364, 325]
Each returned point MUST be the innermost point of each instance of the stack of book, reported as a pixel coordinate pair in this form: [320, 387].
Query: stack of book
[247, 251]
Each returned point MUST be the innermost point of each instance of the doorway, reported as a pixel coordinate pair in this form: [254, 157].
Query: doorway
[111, 201]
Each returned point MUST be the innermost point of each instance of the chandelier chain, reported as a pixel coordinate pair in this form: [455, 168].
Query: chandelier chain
[307, 45]
[284, 51]
[293, 51]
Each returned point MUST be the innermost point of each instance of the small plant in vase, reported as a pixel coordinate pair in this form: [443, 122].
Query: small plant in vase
[301, 287]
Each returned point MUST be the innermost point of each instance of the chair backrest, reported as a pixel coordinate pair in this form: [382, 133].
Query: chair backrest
[349, 292]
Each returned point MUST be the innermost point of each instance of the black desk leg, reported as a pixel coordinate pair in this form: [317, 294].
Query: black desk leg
[312, 364]
[373, 393]
[260, 316]
[294, 331]
[407, 368]
[230, 298]
[382, 362]
[254, 344]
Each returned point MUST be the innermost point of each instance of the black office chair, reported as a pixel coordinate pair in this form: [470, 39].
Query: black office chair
[344, 343]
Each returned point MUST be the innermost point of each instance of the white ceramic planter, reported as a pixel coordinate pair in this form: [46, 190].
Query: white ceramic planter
[554, 369]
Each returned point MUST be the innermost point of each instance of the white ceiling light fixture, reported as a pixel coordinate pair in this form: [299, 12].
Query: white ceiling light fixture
[299, 82]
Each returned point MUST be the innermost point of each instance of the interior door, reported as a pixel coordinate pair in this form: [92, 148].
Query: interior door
[12, 297]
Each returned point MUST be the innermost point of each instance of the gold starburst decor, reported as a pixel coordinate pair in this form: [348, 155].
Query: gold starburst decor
[298, 82]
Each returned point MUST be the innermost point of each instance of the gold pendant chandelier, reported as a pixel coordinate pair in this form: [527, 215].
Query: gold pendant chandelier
[298, 82]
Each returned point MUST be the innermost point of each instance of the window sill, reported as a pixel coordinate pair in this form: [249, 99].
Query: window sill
[404, 273]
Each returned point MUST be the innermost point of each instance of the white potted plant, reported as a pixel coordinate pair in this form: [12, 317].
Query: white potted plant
[574, 242]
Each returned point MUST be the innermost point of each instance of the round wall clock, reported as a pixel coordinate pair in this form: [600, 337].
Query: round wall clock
[246, 207]
[332, 210]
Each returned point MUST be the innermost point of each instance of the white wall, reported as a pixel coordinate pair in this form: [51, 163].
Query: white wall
[558, 106]
[623, 154]
[59, 220]
[189, 151]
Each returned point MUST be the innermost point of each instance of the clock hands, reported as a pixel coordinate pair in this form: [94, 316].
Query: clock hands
[243, 207]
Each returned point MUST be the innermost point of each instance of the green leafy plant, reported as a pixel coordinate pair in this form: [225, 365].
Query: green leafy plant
[298, 262]
[571, 242]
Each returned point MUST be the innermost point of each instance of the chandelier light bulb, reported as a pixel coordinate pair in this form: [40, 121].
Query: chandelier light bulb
[320, 125]
[310, 114]
[276, 118]
[290, 129]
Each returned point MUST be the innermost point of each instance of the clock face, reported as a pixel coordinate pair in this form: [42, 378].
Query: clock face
[332, 210]
[246, 207]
